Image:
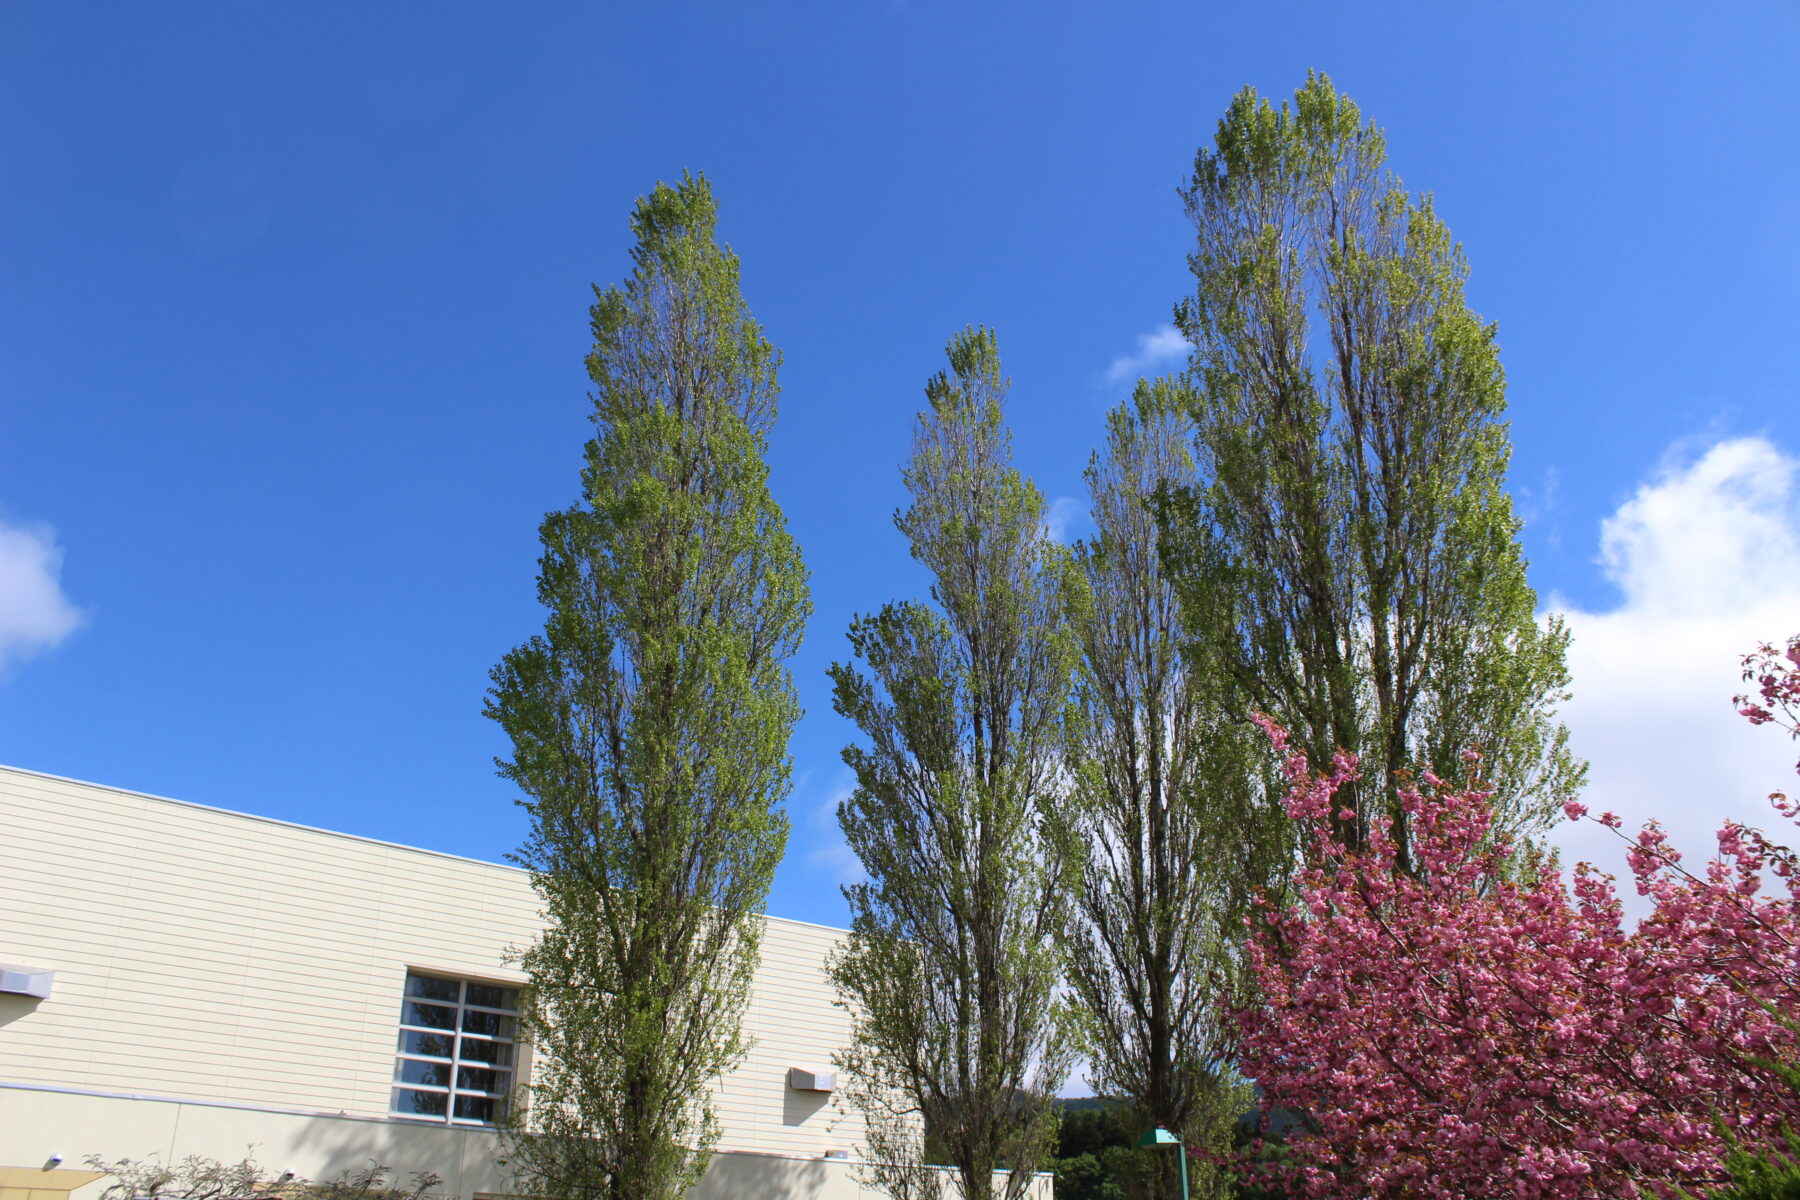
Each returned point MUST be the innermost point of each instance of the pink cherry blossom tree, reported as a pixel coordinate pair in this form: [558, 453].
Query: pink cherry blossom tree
[1473, 1026]
[1776, 674]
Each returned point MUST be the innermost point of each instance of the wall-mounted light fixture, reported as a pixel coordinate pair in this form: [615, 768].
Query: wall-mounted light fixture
[26, 981]
[802, 1080]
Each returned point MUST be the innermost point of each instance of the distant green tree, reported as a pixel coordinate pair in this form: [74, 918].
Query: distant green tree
[649, 724]
[951, 968]
[1093, 1150]
[1169, 820]
[1350, 555]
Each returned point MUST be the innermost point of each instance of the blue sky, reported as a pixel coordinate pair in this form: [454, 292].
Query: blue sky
[293, 311]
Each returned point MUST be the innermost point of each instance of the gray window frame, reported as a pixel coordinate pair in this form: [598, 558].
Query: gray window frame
[455, 1061]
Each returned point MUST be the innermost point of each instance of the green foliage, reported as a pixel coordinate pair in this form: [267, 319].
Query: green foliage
[1765, 1172]
[1097, 1156]
[1169, 821]
[951, 967]
[1094, 1175]
[1351, 556]
[1093, 1147]
[1091, 1124]
[1762, 1175]
[649, 724]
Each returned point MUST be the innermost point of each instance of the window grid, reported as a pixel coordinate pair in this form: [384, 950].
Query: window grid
[478, 1037]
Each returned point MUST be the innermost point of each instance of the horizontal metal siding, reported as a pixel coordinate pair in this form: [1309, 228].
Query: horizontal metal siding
[214, 955]
[217, 956]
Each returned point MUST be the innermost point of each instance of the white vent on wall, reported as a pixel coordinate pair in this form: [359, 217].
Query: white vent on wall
[26, 981]
[812, 1081]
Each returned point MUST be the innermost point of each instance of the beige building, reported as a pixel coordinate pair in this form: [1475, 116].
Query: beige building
[177, 980]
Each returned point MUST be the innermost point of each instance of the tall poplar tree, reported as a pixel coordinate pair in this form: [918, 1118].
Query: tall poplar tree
[649, 725]
[1351, 555]
[1170, 821]
[951, 968]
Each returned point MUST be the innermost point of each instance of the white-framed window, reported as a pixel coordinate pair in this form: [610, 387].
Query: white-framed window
[456, 1054]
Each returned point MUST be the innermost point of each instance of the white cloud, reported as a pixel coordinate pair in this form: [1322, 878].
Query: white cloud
[831, 854]
[1154, 350]
[1706, 555]
[837, 860]
[35, 615]
[1062, 518]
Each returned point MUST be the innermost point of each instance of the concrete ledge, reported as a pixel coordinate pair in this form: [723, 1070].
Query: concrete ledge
[37, 1121]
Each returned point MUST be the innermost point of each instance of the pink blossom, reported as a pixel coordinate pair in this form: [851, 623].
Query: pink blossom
[1461, 1028]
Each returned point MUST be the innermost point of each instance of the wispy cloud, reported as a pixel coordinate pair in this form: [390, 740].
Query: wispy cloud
[837, 860]
[1064, 518]
[830, 854]
[1155, 350]
[35, 615]
[1536, 506]
[1706, 556]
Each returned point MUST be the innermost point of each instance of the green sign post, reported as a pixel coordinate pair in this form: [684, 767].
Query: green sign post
[1157, 1139]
